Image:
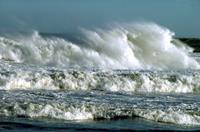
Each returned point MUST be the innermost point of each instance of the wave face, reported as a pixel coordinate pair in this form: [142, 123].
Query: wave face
[131, 46]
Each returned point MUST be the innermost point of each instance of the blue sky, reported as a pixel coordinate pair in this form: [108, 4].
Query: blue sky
[181, 16]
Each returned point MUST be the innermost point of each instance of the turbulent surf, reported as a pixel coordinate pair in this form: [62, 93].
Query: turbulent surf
[124, 71]
[136, 46]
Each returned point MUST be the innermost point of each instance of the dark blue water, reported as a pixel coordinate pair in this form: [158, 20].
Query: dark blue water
[136, 124]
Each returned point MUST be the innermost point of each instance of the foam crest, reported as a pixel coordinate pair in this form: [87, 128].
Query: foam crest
[133, 46]
[52, 111]
[169, 116]
[182, 110]
[116, 81]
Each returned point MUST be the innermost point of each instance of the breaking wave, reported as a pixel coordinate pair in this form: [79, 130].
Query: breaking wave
[131, 82]
[182, 110]
[131, 46]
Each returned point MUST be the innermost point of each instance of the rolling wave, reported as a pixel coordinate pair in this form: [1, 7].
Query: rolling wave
[18, 77]
[182, 109]
[126, 71]
[131, 46]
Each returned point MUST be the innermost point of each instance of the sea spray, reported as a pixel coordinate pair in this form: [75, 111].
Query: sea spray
[127, 71]
[126, 46]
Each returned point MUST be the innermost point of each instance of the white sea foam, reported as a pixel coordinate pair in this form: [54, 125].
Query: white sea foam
[169, 116]
[93, 111]
[49, 111]
[123, 81]
[80, 94]
[133, 46]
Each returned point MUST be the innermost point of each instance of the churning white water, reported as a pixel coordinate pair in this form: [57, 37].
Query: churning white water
[131, 46]
[126, 71]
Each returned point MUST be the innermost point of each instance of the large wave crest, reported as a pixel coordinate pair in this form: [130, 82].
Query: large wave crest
[128, 46]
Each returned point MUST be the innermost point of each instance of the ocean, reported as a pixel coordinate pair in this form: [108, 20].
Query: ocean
[111, 75]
